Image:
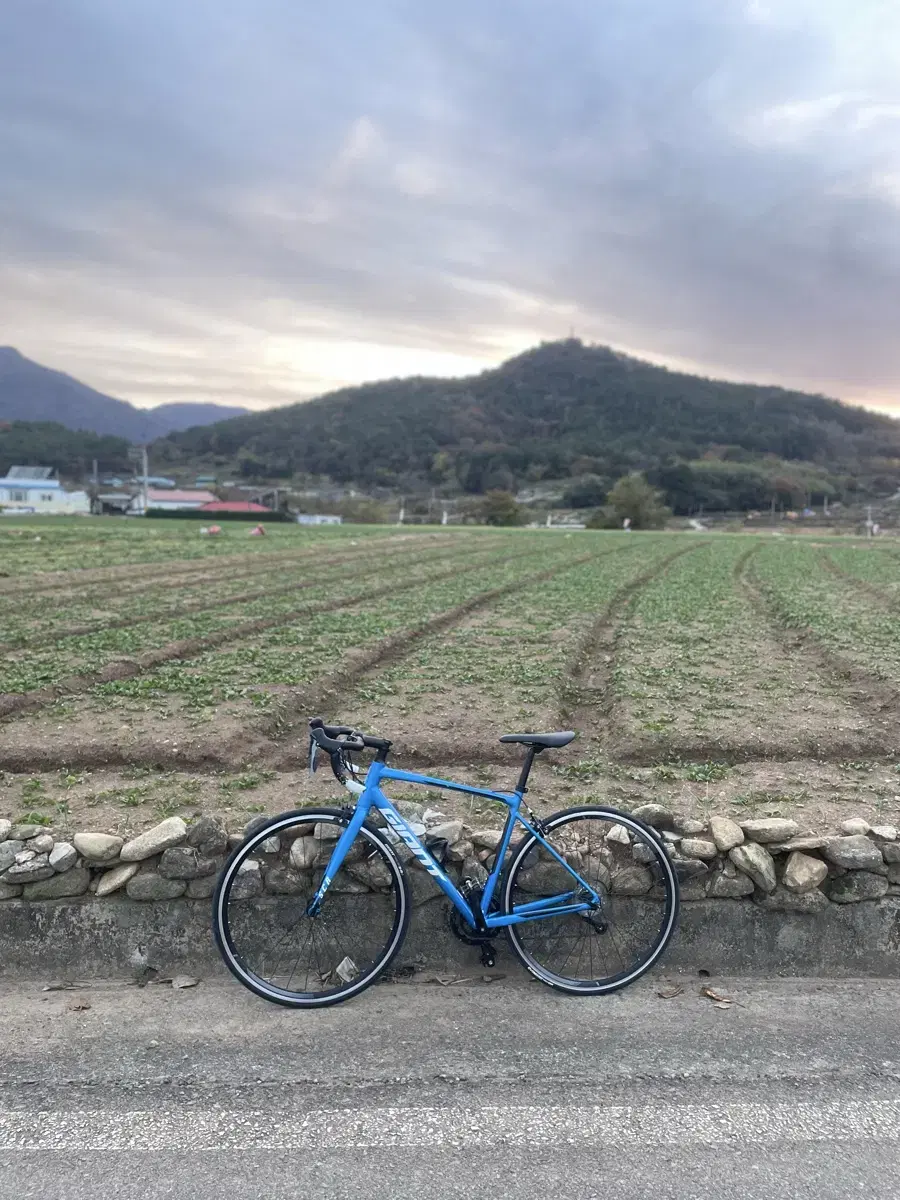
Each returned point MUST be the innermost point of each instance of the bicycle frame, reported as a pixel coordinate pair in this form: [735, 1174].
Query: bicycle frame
[370, 796]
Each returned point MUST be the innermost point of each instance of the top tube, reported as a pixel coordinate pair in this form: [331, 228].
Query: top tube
[379, 771]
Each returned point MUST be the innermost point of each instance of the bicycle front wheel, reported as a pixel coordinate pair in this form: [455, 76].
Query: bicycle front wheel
[627, 865]
[260, 920]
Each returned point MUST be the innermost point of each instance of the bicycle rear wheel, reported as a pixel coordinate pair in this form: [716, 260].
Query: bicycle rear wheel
[627, 865]
[260, 921]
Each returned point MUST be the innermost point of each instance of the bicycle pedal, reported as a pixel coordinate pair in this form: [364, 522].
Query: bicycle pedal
[488, 957]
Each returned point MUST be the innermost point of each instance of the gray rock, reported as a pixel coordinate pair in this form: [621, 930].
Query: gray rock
[410, 811]
[472, 869]
[800, 843]
[5, 827]
[756, 862]
[781, 900]
[63, 857]
[201, 889]
[855, 825]
[303, 853]
[171, 832]
[723, 886]
[147, 885]
[893, 874]
[642, 853]
[271, 845]
[803, 873]
[248, 882]
[185, 862]
[857, 885]
[770, 829]
[670, 837]
[631, 881]
[42, 844]
[8, 852]
[884, 833]
[655, 815]
[695, 889]
[209, 836]
[98, 847]
[373, 873]
[725, 833]
[24, 833]
[256, 823]
[32, 871]
[689, 868]
[9, 891]
[460, 851]
[698, 848]
[285, 881]
[72, 883]
[328, 831]
[448, 831]
[487, 839]
[856, 853]
[116, 878]
[890, 853]
[25, 856]
[619, 836]
[433, 816]
[689, 826]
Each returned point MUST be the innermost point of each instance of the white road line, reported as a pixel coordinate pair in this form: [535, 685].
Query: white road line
[345, 1129]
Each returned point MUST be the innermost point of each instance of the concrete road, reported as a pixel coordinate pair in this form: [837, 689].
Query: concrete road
[469, 1090]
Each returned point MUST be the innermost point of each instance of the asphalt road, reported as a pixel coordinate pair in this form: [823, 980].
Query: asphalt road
[469, 1090]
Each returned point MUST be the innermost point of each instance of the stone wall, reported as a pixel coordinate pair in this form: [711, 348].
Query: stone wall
[766, 860]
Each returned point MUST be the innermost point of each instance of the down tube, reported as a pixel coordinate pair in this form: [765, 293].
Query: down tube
[402, 830]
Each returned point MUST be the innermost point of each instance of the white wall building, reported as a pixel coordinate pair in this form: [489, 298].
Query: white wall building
[26, 490]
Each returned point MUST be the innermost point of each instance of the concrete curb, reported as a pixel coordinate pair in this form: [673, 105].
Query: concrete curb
[81, 939]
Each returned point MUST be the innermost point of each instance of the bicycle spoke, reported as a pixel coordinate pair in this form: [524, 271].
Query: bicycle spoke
[271, 944]
[614, 858]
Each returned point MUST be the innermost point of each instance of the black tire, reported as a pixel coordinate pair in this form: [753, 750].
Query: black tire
[274, 903]
[637, 884]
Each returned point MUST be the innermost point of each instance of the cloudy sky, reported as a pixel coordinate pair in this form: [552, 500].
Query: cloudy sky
[254, 201]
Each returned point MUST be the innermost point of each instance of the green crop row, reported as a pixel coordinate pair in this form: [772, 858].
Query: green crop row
[299, 652]
[850, 621]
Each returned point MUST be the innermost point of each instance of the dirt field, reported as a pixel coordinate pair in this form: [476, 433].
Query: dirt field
[148, 671]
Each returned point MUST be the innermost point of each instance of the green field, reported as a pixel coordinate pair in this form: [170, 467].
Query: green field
[149, 669]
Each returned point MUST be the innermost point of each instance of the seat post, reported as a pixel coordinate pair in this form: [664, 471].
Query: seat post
[522, 785]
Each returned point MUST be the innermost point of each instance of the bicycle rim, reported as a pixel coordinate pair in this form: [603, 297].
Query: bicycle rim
[259, 911]
[626, 864]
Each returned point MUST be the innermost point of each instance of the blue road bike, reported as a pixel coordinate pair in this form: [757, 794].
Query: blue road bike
[314, 905]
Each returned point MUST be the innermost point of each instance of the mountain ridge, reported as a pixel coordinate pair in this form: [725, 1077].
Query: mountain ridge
[32, 392]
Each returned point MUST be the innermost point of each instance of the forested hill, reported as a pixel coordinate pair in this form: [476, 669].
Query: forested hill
[561, 410]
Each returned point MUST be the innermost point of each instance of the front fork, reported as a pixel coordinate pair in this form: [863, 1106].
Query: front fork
[344, 842]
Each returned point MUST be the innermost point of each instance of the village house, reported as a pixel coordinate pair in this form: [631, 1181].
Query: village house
[25, 490]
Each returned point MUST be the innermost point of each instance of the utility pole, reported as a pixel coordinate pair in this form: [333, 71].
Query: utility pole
[869, 521]
[401, 515]
[444, 515]
[145, 464]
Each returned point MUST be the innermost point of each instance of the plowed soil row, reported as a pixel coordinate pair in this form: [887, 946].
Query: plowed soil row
[328, 689]
[190, 647]
[126, 621]
[585, 696]
[146, 575]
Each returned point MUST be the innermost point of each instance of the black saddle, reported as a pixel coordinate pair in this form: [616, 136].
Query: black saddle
[546, 741]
